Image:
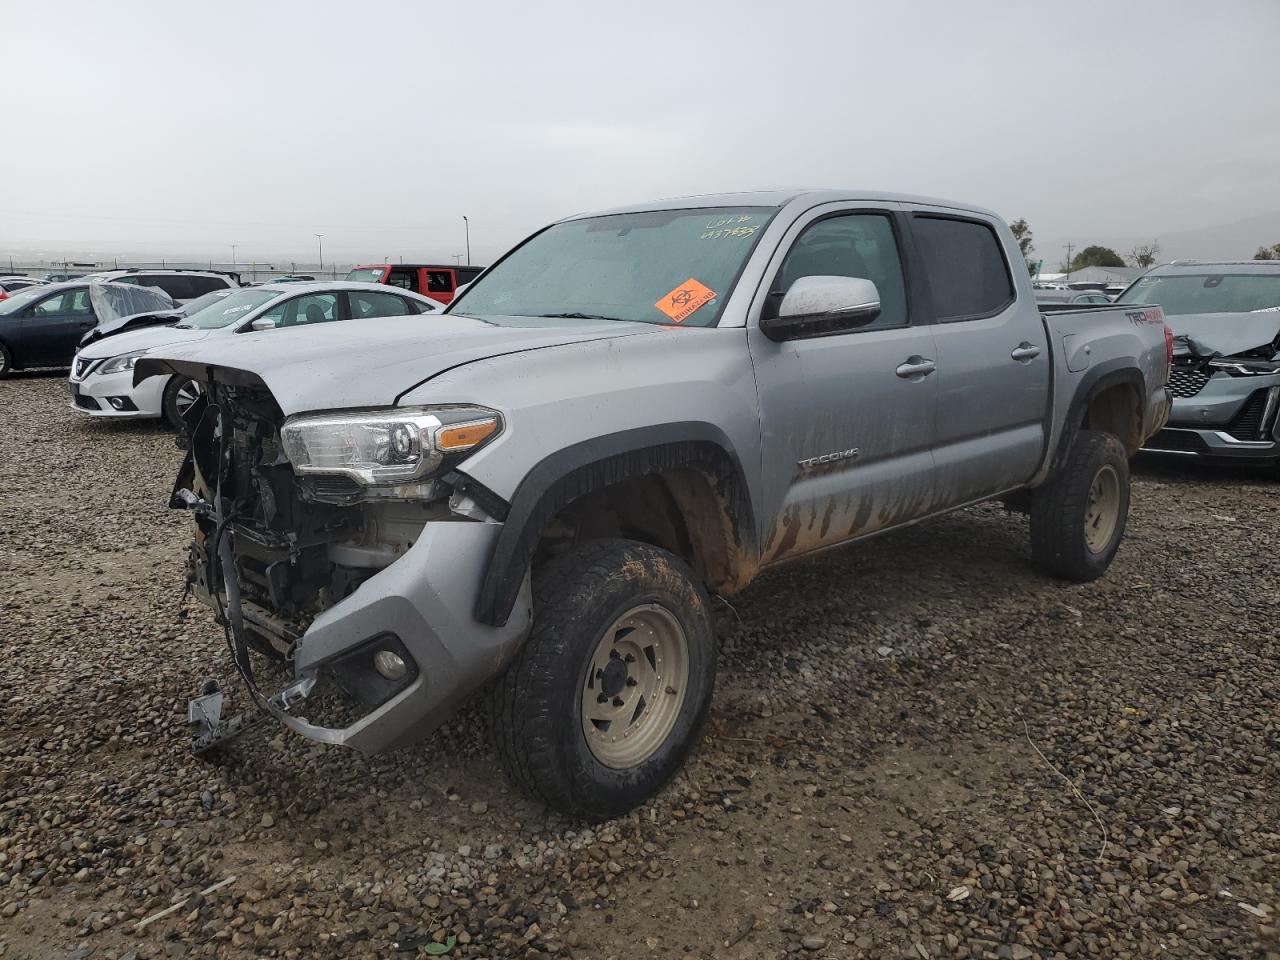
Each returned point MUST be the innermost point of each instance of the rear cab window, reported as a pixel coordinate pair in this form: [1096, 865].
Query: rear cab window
[964, 266]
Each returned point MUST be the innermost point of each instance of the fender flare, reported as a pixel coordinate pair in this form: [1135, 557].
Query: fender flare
[1096, 379]
[568, 474]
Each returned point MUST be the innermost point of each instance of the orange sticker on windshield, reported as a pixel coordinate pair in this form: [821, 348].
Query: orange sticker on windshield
[681, 302]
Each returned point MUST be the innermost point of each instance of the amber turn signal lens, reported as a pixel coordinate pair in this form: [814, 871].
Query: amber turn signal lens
[464, 436]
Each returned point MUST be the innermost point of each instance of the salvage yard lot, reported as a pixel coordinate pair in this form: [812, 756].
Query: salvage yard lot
[890, 769]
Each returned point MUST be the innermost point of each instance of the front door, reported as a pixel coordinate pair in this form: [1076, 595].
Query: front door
[846, 419]
[52, 327]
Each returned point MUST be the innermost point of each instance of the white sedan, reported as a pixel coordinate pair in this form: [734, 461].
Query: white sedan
[101, 382]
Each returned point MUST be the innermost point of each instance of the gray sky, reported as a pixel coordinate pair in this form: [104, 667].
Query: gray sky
[160, 128]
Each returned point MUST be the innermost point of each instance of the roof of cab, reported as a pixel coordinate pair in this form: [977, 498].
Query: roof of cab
[780, 198]
[1201, 267]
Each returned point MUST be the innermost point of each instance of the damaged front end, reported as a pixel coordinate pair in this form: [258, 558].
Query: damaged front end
[1225, 381]
[350, 548]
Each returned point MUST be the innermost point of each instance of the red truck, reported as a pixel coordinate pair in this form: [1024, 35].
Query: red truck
[431, 280]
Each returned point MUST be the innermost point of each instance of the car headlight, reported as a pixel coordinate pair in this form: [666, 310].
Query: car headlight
[120, 364]
[386, 446]
[1246, 368]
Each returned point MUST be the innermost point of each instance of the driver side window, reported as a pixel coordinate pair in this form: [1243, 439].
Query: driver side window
[858, 245]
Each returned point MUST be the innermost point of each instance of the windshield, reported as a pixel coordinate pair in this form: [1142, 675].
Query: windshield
[229, 309]
[668, 266]
[1206, 292]
[366, 274]
[16, 301]
[199, 303]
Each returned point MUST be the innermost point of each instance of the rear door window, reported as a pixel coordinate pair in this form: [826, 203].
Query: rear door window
[367, 304]
[176, 286]
[964, 267]
[199, 286]
[439, 281]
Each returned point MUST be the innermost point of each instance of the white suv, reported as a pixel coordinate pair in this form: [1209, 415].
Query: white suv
[181, 285]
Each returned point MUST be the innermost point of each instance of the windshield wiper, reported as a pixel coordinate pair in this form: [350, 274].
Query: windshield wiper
[578, 316]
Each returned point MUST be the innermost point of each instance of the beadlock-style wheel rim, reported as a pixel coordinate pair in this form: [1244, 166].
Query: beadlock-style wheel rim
[186, 395]
[636, 683]
[1102, 512]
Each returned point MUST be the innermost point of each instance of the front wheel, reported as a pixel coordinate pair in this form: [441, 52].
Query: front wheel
[608, 694]
[6, 361]
[179, 394]
[1078, 517]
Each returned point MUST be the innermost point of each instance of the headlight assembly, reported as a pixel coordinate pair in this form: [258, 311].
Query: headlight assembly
[1246, 368]
[378, 447]
[120, 364]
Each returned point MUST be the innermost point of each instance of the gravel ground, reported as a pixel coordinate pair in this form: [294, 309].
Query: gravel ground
[918, 749]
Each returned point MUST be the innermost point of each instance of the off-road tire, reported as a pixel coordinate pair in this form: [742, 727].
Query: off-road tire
[169, 403]
[536, 708]
[1059, 539]
[6, 361]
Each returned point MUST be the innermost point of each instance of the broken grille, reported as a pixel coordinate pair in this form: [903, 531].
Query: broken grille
[82, 367]
[1185, 382]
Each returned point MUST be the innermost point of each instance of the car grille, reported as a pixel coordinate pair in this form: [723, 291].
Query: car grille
[1247, 424]
[82, 367]
[1186, 382]
[86, 403]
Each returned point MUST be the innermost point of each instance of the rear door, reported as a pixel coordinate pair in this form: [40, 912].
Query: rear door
[993, 357]
[847, 418]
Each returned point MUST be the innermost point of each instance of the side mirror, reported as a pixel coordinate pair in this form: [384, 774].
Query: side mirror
[263, 323]
[816, 306]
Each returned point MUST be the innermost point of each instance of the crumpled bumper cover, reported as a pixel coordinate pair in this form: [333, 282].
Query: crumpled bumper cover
[425, 599]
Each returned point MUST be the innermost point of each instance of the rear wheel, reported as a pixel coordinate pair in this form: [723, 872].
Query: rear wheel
[604, 701]
[6, 361]
[1078, 518]
[179, 394]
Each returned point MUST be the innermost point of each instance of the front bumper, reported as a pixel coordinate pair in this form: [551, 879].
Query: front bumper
[425, 601]
[114, 395]
[1231, 418]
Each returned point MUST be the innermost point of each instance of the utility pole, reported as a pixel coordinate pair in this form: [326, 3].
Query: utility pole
[233, 256]
[320, 240]
[1069, 249]
[457, 259]
[467, 224]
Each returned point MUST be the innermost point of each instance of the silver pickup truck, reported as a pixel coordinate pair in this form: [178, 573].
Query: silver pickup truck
[537, 491]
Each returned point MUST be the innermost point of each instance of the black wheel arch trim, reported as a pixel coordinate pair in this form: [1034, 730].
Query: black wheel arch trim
[1108, 374]
[568, 474]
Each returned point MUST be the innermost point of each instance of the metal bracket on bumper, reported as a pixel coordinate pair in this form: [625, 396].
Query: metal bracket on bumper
[204, 713]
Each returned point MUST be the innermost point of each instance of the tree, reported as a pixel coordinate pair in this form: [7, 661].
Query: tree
[1022, 233]
[1145, 254]
[1268, 253]
[1095, 256]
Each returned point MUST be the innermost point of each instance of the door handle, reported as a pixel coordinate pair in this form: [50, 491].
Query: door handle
[1025, 352]
[916, 368]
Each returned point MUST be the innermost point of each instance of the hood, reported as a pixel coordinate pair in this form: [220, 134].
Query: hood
[120, 306]
[144, 338]
[109, 328]
[1226, 334]
[363, 364]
